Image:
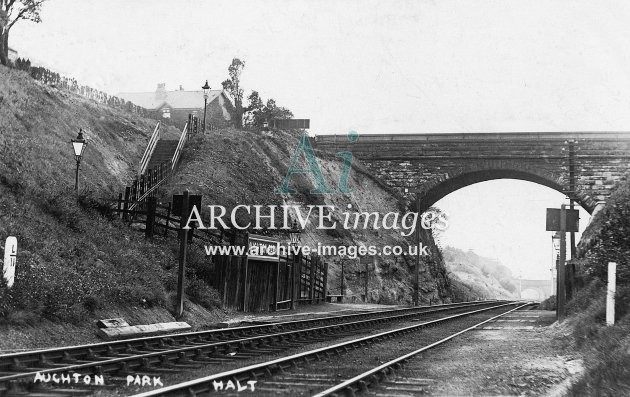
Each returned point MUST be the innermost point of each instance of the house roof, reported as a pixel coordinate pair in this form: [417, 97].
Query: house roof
[175, 99]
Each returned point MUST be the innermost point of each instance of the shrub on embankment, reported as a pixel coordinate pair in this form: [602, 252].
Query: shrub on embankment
[72, 258]
[606, 348]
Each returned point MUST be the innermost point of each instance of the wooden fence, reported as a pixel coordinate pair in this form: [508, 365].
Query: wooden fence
[252, 285]
[243, 283]
[143, 187]
[57, 80]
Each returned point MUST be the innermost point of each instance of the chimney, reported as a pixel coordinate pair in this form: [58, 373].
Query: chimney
[160, 92]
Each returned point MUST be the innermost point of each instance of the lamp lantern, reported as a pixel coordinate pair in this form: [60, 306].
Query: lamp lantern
[205, 89]
[78, 145]
[294, 234]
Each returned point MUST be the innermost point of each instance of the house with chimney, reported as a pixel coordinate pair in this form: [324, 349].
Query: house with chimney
[176, 105]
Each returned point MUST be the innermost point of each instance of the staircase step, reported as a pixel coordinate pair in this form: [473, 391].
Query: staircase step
[163, 152]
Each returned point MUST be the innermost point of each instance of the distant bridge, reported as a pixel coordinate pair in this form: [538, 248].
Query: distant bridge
[536, 289]
[430, 166]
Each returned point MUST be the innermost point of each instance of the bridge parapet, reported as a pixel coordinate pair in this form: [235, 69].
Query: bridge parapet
[434, 165]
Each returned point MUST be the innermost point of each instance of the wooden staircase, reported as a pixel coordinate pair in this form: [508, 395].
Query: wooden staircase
[163, 152]
[158, 163]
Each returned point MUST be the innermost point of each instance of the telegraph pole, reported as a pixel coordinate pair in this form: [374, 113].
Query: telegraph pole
[572, 189]
[572, 186]
[183, 251]
[367, 275]
[342, 274]
[561, 296]
[416, 294]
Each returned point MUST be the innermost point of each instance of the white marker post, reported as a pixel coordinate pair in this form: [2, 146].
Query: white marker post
[10, 254]
[610, 298]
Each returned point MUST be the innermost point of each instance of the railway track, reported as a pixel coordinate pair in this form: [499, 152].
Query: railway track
[181, 352]
[294, 375]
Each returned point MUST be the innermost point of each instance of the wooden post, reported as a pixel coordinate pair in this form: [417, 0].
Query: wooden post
[119, 205]
[134, 190]
[325, 287]
[297, 286]
[416, 293]
[561, 298]
[149, 180]
[610, 293]
[126, 203]
[245, 264]
[367, 276]
[571, 268]
[312, 279]
[570, 285]
[142, 185]
[150, 223]
[276, 282]
[293, 267]
[342, 292]
[166, 221]
[225, 262]
[183, 248]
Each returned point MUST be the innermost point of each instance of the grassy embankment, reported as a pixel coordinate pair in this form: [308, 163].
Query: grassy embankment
[73, 262]
[474, 276]
[606, 349]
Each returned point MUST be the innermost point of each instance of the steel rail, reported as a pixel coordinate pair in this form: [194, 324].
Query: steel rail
[147, 357]
[363, 381]
[27, 358]
[257, 371]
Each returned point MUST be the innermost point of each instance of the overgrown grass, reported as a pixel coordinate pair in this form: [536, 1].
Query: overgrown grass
[73, 257]
[605, 348]
[72, 260]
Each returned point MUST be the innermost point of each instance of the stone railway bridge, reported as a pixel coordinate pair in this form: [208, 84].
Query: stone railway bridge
[542, 288]
[430, 166]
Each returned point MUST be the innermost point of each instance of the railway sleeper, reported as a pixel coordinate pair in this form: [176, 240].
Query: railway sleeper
[17, 365]
[182, 358]
[54, 391]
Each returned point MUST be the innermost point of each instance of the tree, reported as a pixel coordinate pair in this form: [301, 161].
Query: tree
[12, 11]
[253, 109]
[234, 90]
[259, 113]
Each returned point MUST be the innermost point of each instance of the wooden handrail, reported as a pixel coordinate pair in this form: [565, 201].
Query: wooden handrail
[180, 146]
[146, 157]
[157, 181]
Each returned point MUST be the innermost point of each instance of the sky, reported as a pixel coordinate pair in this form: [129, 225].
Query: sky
[375, 67]
[505, 220]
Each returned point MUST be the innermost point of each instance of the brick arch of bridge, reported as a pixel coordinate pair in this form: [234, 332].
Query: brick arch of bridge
[438, 188]
[432, 165]
[544, 288]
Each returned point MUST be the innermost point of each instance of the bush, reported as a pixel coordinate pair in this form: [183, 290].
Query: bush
[83, 262]
[584, 297]
[90, 303]
[549, 303]
[200, 292]
[607, 362]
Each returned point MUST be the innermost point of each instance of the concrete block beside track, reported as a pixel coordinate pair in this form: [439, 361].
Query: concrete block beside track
[133, 331]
